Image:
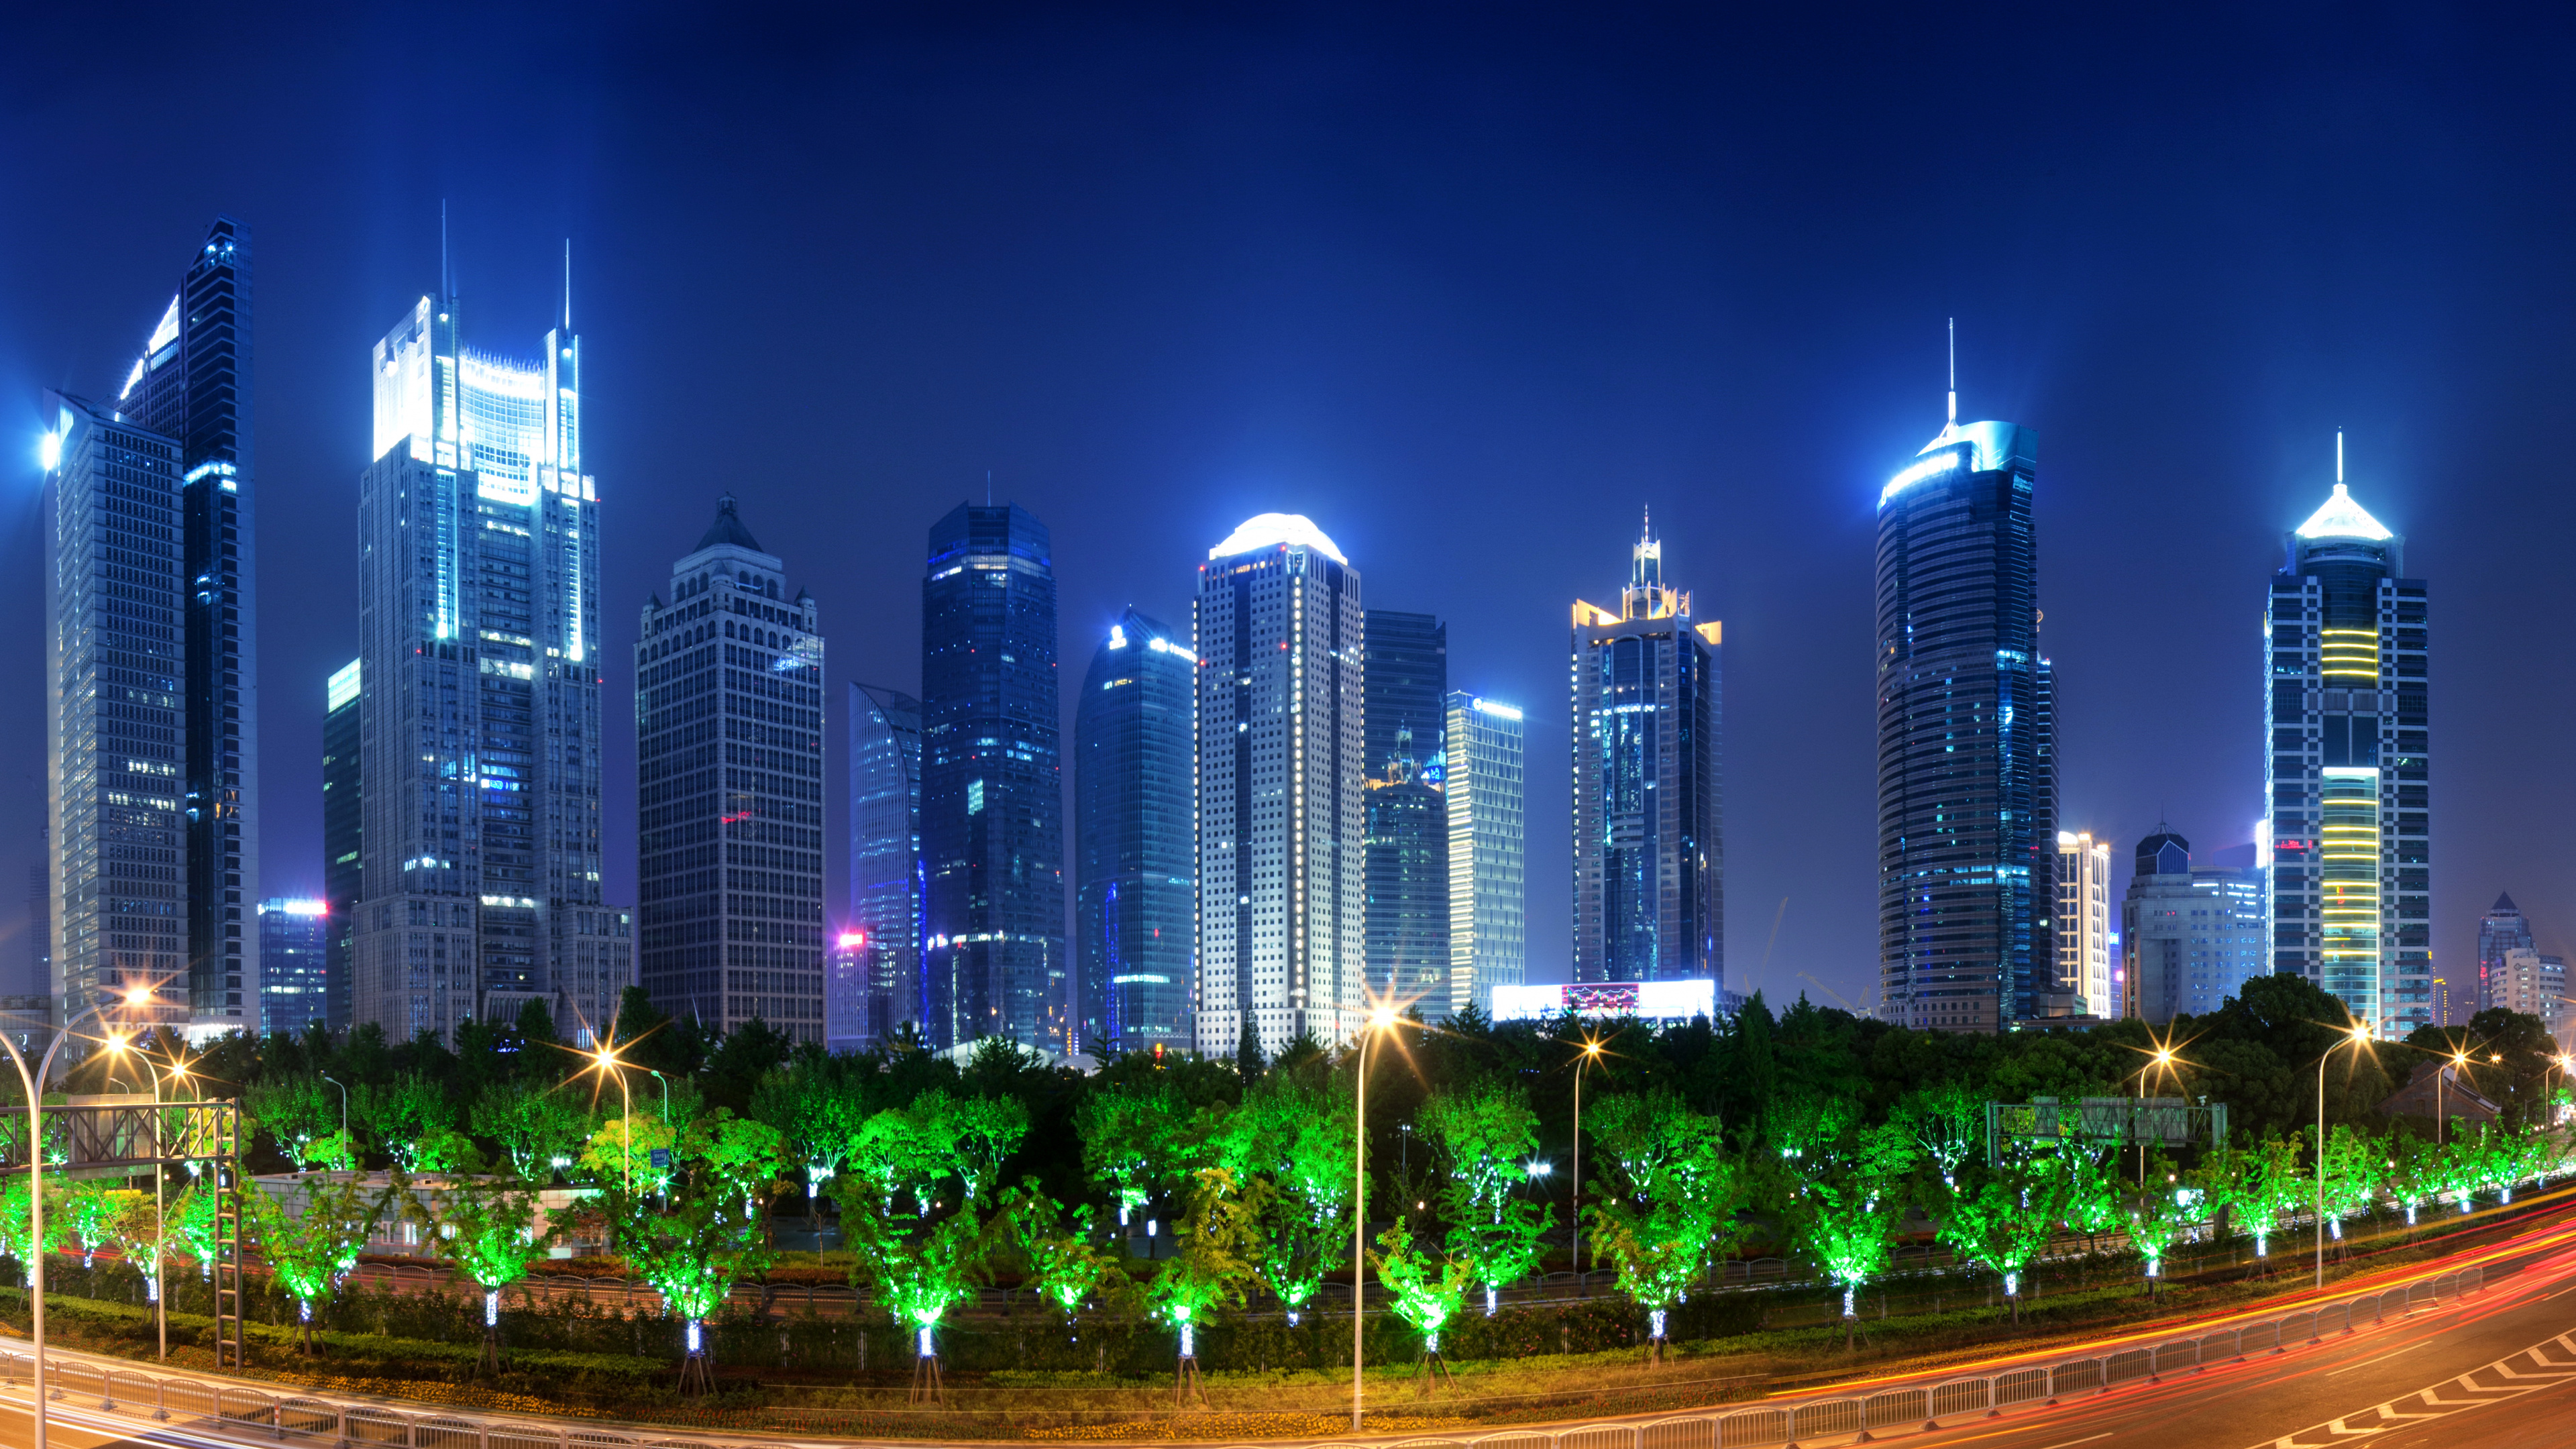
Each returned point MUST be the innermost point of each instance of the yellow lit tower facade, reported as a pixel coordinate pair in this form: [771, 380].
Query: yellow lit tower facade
[2347, 723]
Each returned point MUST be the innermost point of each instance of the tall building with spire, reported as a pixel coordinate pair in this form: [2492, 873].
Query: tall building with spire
[1967, 751]
[1649, 849]
[2348, 791]
[729, 790]
[992, 786]
[480, 662]
[1280, 634]
[184, 411]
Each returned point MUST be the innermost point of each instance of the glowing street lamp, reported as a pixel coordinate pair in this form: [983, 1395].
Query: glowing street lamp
[1591, 1054]
[1380, 1017]
[604, 1061]
[119, 1044]
[2357, 1036]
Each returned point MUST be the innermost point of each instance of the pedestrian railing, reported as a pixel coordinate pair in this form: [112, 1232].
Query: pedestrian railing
[239, 1411]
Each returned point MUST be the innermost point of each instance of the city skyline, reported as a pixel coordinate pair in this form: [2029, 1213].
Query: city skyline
[1758, 422]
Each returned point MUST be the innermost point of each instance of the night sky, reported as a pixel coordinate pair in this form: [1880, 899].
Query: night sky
[1470, 286]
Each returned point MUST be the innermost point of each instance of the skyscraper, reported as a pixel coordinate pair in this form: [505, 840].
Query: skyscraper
[1407, 683]
[1406, 932]
[294, 955]
[1967, 767]
[2189, 936]
[992, 792]
[729, 769]
[478, 612]
[343, 834]
[2501, 929]
[1282, 824]
[1484, 788]
[193, 384]
[1135, 868]
[2080, 925]
[116, 725]
[2345, 719]
[881, 986]
[1649, 854]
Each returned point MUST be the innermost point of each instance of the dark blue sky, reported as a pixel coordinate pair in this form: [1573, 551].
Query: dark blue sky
[1468, 285]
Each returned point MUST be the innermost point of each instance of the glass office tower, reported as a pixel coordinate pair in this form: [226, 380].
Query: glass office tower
[478, 612]
[2503, 928]
[1282, 824]
[877, 985]
[116, 721]
[1649, 855]
[1485, 794]
[992, 792]
[2346, 719]
[343, 831]
[1407, 682]
[1967, 755]
[1407, 934]
[1135, 876]
[294, 970]
[729, 772]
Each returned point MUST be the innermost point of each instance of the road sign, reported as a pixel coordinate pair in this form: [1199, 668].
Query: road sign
[2104, 1120]
[661, 1159]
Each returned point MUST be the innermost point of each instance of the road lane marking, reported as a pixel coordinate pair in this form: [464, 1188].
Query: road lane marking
[2087, 1439]
[2365, 1363]
[2450, 1396]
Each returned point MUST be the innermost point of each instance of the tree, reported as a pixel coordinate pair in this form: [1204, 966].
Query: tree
[537, 1128]
[491, 1232]
[1845, 1196]
[90, 1207]
[1207, 1266]
[1137, 1138]
[819, 1104]
[699, 1229]
[920, 1265]
[196, 1222]
[2002, 1216]
[1669, 1198]
[16, 1209]
[1946, 1123]
[136, 1232]
[1291, 1150]
[406, 1116]
[2355, 1165]
[1064, 1264]
[1423, 1290]
[313, 1237]
[616, 1154]
[1489, 1134]
[301, 1111]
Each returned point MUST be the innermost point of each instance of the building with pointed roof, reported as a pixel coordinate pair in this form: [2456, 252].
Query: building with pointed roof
[2346, 773]
[729, 772]
[2503, 929]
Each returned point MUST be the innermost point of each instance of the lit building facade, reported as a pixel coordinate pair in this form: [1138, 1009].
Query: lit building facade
[1649, 852]
[2189, 937]
[343, 835]
[479, 660]
[1280, 633]
[2080, 926]
[876, 984]
[1407, 928]
[729, 771]
[1967, 755]
[1407, 683]
[2346, 720]
[992, 791]
[1485, 788]
[294, 964]
[116, 725]
[1135, 868]
[2503, 928]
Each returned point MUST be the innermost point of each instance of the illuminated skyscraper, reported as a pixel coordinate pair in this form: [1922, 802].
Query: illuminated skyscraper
[2080, 925]
[2346, 717]
[1967, 768]
[294, 952]
[1485, 788]
[343, 831]
[1135, 873]
[2503, 928]
[992, 788]
[1408, 682]
[1649, 855]
[478, 611]
[729, 765]
[876, 985]
[1282, 822]
[2189, 937]
[1407, 929]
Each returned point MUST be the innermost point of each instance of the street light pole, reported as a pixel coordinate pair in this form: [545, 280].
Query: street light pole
[1377, 1020]
[2358, 1036]
[1591, 1053]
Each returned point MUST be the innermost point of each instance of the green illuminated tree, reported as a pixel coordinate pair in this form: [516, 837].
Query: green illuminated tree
[194, 1222]
[136, 1232]
[1946, 1122]
[2001, 1217]
[1845, 1193]
[1065, 1265]
[299, 1110]
[1488, 1133]
[89, 1208]
[819, 1104]
[1138, 1138]
[538, 1128]
[1207, 1267]
[701, 1229]
[1423, 1289]
[312, 1237]
[490, 1229]
[610, 1157]
[916, 1244]
[1667, 1200]
[2356, 1164]
[16, 1208]
[1290, 1148]
[405, 1115]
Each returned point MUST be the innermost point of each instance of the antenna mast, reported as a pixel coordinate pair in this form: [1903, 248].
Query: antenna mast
[567, 320]
[1953, 420]
[2338, 455]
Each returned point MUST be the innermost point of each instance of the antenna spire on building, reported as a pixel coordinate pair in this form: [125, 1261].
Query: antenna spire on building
[1953, 419]
[567, 318]
[2338, 455]
[446, 285]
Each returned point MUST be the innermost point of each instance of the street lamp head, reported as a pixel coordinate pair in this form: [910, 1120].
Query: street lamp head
[116, 1042]
[2164, 1057]
[2495, 1056]
[139, 996]
[1382, 1017]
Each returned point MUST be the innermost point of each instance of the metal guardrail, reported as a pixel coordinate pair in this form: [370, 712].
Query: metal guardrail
[243, 1412]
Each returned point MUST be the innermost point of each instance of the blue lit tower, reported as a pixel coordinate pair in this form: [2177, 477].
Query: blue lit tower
[2346, 723]
[992, 793]
[1135, 877]
[881, 989]
[1967, 767]
[2503, 928]
[729, 768]
[1484, 791]
[1649, 852]
[343, 831]
[479, 656]
[1282, 825]
[294, 946]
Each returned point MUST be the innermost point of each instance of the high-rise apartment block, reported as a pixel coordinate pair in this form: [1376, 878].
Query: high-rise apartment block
[479, 659]
[1485, 789]
[127, 570]
[343, 834]
[2503, 928]
[992, 791]
[875, 983]
[2189, 937]
[1967, 753]
[2346, 718]
[2080, 925]
[1649, 855]
[294, 964]
[1282, 819]
[729, 769]
[1135, 865]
